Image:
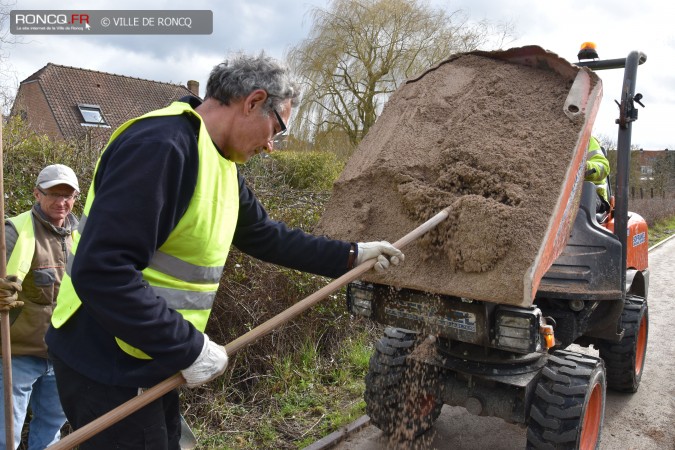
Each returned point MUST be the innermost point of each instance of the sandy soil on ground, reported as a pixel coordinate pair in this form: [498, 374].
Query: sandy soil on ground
[486, 137]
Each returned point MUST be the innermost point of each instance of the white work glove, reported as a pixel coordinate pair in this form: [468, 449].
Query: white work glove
[383, 251]
[211, 363]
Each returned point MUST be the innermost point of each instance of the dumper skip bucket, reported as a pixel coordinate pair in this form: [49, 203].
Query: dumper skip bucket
[501, 137]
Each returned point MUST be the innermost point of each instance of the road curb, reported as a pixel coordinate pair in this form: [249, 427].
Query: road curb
[661, 242]
[338, 436]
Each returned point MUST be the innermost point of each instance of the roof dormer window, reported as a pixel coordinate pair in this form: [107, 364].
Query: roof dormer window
[92, 116]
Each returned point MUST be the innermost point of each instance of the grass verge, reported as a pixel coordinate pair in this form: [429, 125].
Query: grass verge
[661, 230]
[302, 396]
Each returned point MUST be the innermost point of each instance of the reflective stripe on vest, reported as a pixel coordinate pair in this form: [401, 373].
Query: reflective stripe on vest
[186, 269]
[24, 248]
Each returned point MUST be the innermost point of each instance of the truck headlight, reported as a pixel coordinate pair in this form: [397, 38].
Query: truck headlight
[517, 329]
[360, 298]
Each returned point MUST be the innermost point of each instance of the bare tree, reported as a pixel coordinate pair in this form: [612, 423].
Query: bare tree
[8, 76]
[5, 36]
[607, 142]
[360, 51]
[7, 82]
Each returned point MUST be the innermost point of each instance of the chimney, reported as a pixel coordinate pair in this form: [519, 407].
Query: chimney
[193, 86]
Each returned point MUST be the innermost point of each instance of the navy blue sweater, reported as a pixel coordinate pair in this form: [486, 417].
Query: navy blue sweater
[143, 185]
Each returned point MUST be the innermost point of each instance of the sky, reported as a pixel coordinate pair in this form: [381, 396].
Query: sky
[618, 27]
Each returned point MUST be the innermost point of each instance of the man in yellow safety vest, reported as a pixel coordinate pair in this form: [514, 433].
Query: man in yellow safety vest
[38, 246]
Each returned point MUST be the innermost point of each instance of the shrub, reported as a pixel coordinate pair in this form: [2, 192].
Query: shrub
[306, 169]
[26, 153]
[653, 210]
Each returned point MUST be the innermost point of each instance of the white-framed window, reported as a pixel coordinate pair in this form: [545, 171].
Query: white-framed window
[92, 116]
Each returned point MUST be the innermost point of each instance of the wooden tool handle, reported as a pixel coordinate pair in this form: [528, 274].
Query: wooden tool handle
[7, 379]
[4, 320]
[252, 336]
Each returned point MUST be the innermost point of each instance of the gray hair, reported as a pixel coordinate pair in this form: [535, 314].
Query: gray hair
[236, 78]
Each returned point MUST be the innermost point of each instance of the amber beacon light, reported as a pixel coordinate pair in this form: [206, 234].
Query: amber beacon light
[587, 51]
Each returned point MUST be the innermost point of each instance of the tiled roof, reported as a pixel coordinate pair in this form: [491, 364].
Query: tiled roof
[120, 97]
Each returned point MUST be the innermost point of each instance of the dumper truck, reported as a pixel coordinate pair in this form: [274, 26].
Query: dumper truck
[470, 336]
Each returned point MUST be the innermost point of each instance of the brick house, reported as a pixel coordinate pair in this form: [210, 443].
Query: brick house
[649, 159]
[69, 103]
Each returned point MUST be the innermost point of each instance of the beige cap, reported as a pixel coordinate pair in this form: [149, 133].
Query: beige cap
[57, 174]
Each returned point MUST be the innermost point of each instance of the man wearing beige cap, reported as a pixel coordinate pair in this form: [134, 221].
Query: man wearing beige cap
[38, 244]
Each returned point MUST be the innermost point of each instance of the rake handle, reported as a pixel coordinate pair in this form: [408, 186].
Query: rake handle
[7, 378]
[4, 320]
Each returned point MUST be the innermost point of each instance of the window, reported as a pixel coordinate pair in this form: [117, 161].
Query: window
[646, 173]
[92, 116]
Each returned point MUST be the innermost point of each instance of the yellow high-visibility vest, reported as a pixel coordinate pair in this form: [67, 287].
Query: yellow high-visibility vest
[24, 248]
[596, 159]
[186, 269]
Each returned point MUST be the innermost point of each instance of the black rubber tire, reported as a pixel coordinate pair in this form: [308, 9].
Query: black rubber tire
[624, 360]
[402, 397]
[568, 406]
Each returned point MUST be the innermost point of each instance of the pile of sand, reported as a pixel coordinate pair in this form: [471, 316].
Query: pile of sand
[482, 135]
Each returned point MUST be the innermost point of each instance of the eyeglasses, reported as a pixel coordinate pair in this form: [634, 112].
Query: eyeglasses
[281, 135]
[53, 196]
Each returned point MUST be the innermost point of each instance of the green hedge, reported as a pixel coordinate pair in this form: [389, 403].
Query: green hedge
[26, 153]
[308, 170]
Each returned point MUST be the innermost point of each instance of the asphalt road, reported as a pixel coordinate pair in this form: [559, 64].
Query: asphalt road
[641, 421]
